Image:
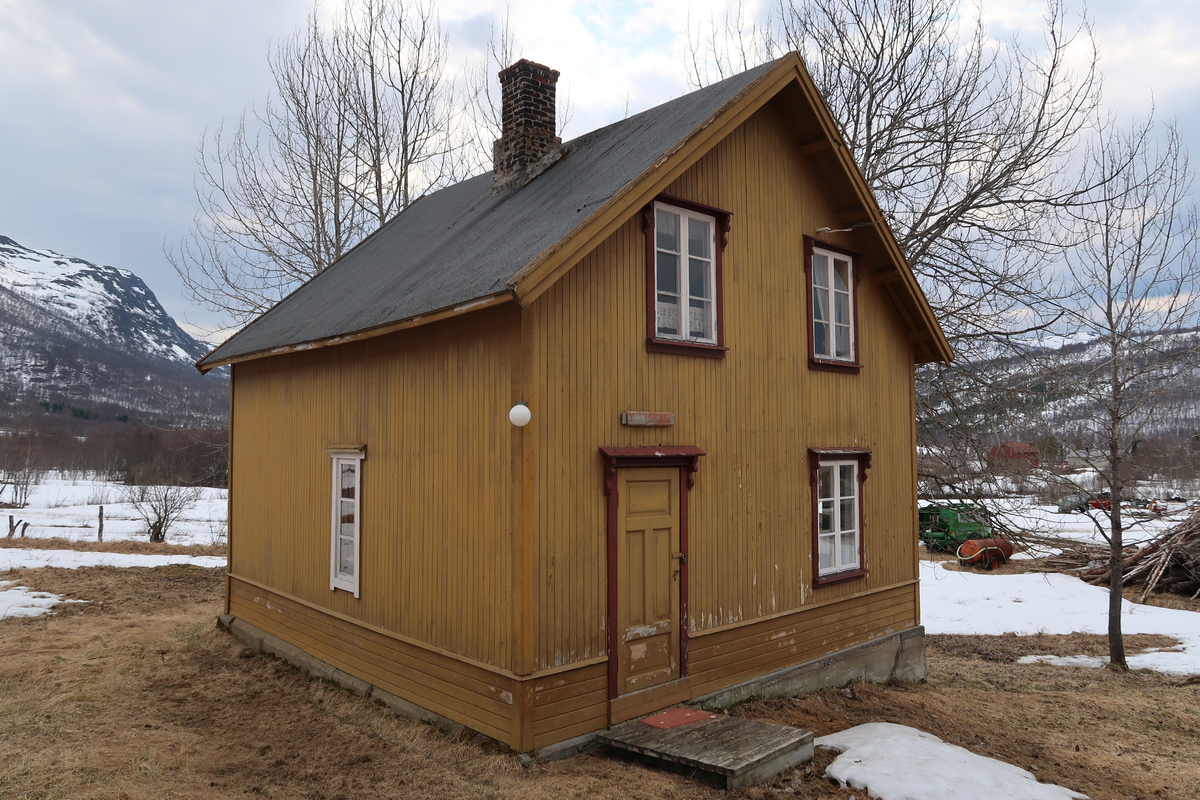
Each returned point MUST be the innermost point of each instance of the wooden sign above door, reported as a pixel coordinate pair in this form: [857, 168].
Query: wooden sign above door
[647, 419]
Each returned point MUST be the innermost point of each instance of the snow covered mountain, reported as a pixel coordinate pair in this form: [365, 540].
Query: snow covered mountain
[112, 305]
[93, 343]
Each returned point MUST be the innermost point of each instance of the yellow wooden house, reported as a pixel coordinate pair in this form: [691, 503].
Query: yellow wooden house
[626, 423]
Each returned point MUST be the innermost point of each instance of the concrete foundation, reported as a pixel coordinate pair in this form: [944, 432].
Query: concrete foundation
[900, 656]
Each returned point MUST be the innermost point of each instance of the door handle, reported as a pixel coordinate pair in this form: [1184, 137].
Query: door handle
[681, 556]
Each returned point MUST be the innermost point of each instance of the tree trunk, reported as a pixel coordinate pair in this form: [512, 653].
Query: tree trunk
[100, 529]
[1116, 578]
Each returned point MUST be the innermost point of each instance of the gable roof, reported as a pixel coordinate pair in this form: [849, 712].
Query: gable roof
[462, 248]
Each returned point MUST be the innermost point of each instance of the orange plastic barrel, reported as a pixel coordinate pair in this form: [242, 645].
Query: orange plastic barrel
[990, 553]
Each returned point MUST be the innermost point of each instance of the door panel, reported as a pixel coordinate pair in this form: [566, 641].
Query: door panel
[647, 578]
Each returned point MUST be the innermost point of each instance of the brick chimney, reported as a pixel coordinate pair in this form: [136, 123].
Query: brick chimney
[527, 146]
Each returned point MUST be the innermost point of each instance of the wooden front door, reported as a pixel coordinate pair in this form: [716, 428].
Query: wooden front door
[648, 578]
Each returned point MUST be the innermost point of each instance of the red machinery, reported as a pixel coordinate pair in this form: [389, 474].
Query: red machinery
[987, 553]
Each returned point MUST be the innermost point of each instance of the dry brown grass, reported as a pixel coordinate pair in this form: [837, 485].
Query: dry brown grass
[138, 695]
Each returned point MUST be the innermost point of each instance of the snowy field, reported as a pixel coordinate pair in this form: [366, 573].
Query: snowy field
[978, 603]
[70, 509]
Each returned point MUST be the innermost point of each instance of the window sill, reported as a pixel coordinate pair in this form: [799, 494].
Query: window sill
[840, 577]
[847, 367]
[685, 348]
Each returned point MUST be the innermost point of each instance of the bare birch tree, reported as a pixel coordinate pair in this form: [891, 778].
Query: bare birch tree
[1135, 276]
[961, 137]
[359, 124]
[967, 143]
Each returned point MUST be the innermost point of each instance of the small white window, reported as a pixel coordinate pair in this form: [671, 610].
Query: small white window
[684, 275]
[837, 516]
[346, 521]
[832, 306]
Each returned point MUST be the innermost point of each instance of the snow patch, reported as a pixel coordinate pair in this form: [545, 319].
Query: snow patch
[21, 602]
[12, 558]
[896, 762]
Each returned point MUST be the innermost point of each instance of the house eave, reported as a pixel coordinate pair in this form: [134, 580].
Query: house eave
[457, 310]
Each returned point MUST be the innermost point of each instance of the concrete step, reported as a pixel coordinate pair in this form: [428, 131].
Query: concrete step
[733, 751]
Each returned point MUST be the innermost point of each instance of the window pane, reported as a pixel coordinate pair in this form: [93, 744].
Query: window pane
[841, 275]
[348, 478]
[841, 308]
[699, 319]
[848, 520]
[820, 270]
[848, 481]
[821, 305]
[849, 550]
[825, 517]
[346, 513]
[825, 545]
[698, 284]
[345, 556]
[825, 482]
[667, 315]
[843, 341]
[698, 238]
[666, 230]
[821, 338]
[668, 273]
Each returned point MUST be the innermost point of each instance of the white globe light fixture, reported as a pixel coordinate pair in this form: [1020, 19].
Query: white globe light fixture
[520, 415]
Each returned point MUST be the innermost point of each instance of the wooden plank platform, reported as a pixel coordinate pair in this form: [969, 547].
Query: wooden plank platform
[736, 751]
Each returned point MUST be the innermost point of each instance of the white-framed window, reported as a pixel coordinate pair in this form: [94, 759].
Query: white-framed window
[838, 517]
[346, 521]
[832, 277]
[685, 307]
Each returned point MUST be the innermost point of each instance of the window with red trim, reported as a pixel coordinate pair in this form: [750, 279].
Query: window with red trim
[837, 497]
[684, 244]
[833, 307]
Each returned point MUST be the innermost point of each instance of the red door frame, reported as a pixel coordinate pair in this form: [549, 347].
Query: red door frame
[616, 458]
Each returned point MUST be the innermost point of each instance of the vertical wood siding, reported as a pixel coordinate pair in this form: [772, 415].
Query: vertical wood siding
[755, 413]
[431, 407]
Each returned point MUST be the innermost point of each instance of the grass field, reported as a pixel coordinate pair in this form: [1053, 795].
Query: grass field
[138, 695]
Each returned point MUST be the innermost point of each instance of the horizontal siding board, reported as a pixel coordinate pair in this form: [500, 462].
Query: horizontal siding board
[445, 689]
[803, 623]
[571, 730]
[582, 687]
[800, 643]
[467, 677]
[595, 696]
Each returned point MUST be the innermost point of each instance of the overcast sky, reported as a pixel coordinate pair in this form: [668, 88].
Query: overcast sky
[102, 102]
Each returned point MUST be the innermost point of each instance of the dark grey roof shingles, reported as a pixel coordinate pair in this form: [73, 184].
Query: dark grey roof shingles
[462, 243]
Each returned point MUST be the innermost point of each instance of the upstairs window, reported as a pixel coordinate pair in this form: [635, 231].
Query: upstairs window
[833, 290]
[346, 520]
[685, 243]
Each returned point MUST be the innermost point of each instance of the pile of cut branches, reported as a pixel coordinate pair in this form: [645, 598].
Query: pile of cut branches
[1170, 562]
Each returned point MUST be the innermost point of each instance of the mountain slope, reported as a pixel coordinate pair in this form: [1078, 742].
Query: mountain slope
[113, 305]
[93, 343]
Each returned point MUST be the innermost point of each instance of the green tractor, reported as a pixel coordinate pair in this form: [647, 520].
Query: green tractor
[945, 526]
